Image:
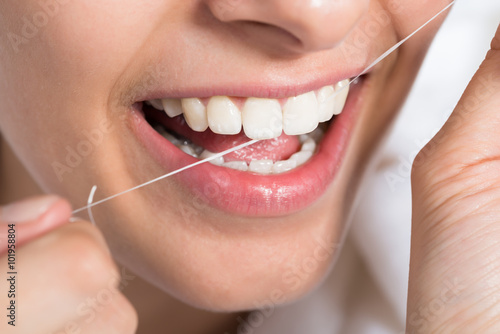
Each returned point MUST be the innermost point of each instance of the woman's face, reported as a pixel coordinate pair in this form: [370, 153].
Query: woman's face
[74, 76]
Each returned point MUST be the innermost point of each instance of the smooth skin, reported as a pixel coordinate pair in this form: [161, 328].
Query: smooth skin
[85, 66]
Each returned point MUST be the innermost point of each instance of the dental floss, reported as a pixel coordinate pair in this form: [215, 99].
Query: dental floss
[90, 205]
[177, 171]
[391, 50]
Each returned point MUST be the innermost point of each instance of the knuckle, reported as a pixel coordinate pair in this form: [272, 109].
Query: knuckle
[440, 159]
[495, 43]
[423, 161]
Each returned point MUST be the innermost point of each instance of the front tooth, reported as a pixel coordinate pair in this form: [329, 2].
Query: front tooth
[301, 157]
[238, 165]
[262, 118]
[342, 89]
[284, 166]
[261, 166]
[326, 103]
[207, 154]
[172, 107]
[156, 104]
[224, 117]
[195, 114]
[300, 114]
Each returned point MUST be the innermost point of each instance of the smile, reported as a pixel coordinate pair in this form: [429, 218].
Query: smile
[302, 142]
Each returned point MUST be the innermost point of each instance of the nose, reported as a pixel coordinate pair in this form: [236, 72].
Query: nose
[300, 25]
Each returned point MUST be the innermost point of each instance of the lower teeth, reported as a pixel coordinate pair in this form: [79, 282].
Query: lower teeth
[308, 142]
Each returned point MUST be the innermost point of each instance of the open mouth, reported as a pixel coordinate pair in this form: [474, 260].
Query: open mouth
[301, 142]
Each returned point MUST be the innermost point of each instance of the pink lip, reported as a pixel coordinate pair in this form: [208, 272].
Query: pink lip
[271, 90]
[249, 194]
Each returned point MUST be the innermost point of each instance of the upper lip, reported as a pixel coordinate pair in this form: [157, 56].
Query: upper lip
[283, 88]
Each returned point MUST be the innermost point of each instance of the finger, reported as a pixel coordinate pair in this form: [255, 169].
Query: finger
[58, 273]
[456, 205]
[31, 218]
[115, 316]
[472, 133]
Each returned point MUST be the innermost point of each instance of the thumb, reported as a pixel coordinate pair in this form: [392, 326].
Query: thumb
[472, 133]
[31, 218]
[455, 249]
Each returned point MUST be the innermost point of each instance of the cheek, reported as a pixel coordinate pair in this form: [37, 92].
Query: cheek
[88, 44]
[59, 63]
[408, 15]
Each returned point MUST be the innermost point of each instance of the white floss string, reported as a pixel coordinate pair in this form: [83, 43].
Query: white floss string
[218, 155]
[392, 49]
[90, 203]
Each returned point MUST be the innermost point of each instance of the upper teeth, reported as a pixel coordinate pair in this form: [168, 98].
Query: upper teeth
[261, 118]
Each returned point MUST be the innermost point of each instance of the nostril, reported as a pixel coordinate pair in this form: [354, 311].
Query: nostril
[269, 31]
[296, 26]
[257, 24]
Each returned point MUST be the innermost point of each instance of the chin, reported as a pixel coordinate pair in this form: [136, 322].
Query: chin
[257, 262]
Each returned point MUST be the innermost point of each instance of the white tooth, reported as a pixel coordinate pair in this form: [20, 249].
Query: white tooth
[301, 157]
[238, 165]
[262, 118]
[188, 149]
[207, 154]
[341, 97]
[326, 103]
[309, 145]
[224, 117]
[217, 162]
[261, 166]
[300, 114]
[156, 104]
[195, 114]
[172, 107]
[284, 166]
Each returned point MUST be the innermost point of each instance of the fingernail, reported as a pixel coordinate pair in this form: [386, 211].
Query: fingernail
[27, 210]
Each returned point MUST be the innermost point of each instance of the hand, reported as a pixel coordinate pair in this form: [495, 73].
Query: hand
[66, 280]
[454, 282]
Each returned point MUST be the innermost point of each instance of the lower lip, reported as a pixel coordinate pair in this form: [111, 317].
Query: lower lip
[247, 194]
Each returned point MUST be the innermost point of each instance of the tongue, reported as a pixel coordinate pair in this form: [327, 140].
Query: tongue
[276, 149]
